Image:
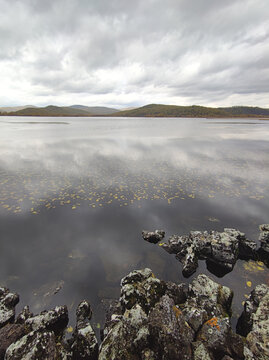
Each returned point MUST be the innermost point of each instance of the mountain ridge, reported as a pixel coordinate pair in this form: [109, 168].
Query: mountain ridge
[150, 110]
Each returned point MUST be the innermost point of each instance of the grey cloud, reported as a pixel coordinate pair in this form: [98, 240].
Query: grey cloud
[181, 49]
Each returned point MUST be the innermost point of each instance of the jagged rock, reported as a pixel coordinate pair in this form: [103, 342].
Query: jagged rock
[36, 345]
[113, 314]
[218, 338]
[264, 237]
[141, 287]
[8, 334]
[177, 292]
[8, 301]
[200, 352]
[247, 248]
[84, 342]
[189, 261]
[245, 322]
[53, 320]
[258, 337]
[194, 314]
[153, 236]
[84, 311]
[127, 339]
[24, 315]
[170, 334]
[213, 298]
[220, 249]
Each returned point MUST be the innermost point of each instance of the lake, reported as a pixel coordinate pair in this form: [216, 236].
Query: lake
[75, 194]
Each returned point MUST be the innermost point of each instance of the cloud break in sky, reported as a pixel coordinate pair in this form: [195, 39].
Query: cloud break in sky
[128, 53]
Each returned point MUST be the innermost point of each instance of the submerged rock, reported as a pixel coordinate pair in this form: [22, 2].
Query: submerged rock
[153, 236]
[8, 301]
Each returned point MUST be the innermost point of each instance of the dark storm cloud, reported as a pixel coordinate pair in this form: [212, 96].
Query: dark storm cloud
[141, 51]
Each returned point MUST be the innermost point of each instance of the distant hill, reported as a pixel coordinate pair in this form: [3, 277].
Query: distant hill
[51, 111]
[152, 110]
[96, 110]
[8, 109]
[158, 110]
[246, 110]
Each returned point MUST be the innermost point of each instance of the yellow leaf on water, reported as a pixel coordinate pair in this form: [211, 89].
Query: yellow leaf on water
[249, 283]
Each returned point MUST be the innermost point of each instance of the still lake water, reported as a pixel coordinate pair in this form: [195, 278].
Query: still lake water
[75, 194]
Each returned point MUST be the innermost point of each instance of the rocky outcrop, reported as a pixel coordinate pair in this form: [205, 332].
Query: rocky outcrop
[220, 250]
[8, 301]
[43, 336]
[254, 323]
[180, 322]
[264, 237]
[84, 344]
[152, 320]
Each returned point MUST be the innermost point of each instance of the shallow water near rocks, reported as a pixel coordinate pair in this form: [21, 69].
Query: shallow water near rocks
[76, 193]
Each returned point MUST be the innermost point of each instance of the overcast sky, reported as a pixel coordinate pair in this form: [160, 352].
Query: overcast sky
[133, 52]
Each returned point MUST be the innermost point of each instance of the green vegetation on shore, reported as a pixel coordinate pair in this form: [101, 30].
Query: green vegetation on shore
[151, 110]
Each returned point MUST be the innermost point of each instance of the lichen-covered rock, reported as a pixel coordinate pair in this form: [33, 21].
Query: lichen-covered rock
[195, 314]
[141, 287]
[36, 345]
[177, 292]
[127, 339]
[189, 261]
[177, 244]
[258, 337]
[153, 236]
[170, 334]
[225, 249]
[219, 339]
[245, 322]
[213, 297]
[8, 334]
[54, 320]
[113, 314]
[220, 249]
[8, 301]
[200, 352]
[24, 315]
[264, 237]
[84, 342]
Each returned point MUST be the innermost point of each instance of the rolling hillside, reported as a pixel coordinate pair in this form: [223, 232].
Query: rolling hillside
[158, 110]
[51, 111]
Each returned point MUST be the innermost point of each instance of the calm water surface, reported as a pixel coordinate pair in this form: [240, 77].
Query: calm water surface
[75, 194]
